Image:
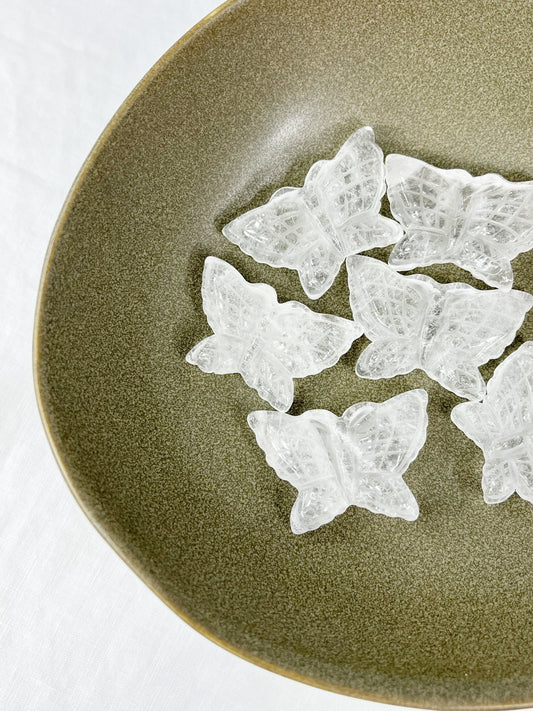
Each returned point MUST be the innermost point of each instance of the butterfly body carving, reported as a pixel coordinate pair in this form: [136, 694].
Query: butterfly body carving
[478, 223]
[358, 459]
[502, 426]
[268, 343]
[313, 228]
[447, 330]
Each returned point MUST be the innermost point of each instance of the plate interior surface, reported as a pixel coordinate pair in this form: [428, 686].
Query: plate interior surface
[434, 613]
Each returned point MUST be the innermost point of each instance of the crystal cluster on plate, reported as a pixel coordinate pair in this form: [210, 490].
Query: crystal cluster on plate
[446, 330]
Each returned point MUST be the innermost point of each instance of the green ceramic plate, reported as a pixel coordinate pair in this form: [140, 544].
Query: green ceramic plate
[434, 613]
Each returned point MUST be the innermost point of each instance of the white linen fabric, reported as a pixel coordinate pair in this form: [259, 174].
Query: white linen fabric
[78, 629]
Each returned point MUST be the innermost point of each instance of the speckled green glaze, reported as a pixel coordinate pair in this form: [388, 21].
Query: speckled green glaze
[436, 613]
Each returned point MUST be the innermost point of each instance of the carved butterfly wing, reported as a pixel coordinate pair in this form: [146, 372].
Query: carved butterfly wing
[425, 200]
[347, 190]
[498, 226]
[476, 420]
[295, 449]
[285, 233]
[353, 182]
[233, 307]
[306, 342]
[474, 327]
[510, 400]
[502, 427]
[391, 309]
[277, 232]
[387, 438]
[510, 391]
[297, 343]
[262, 371]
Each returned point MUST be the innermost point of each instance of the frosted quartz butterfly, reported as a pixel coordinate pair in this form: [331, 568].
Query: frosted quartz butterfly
[502, 426]
[447, 330]
[268, 343]
[314, 228]
[479, 223]
[358, 459]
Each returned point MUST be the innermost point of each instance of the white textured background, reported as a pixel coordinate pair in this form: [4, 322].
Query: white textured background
[78, 630]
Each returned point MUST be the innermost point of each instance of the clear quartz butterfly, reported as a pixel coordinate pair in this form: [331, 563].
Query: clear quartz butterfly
[313, 228]
[358, 459]
[447, 330]
[479, 223]
[502, 426]
[268, 343]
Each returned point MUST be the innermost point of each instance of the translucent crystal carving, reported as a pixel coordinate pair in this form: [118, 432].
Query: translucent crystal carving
[357, 459]
[447, 330]
[268, 343]
[313, 228]
[479, 223]
[502, 426]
